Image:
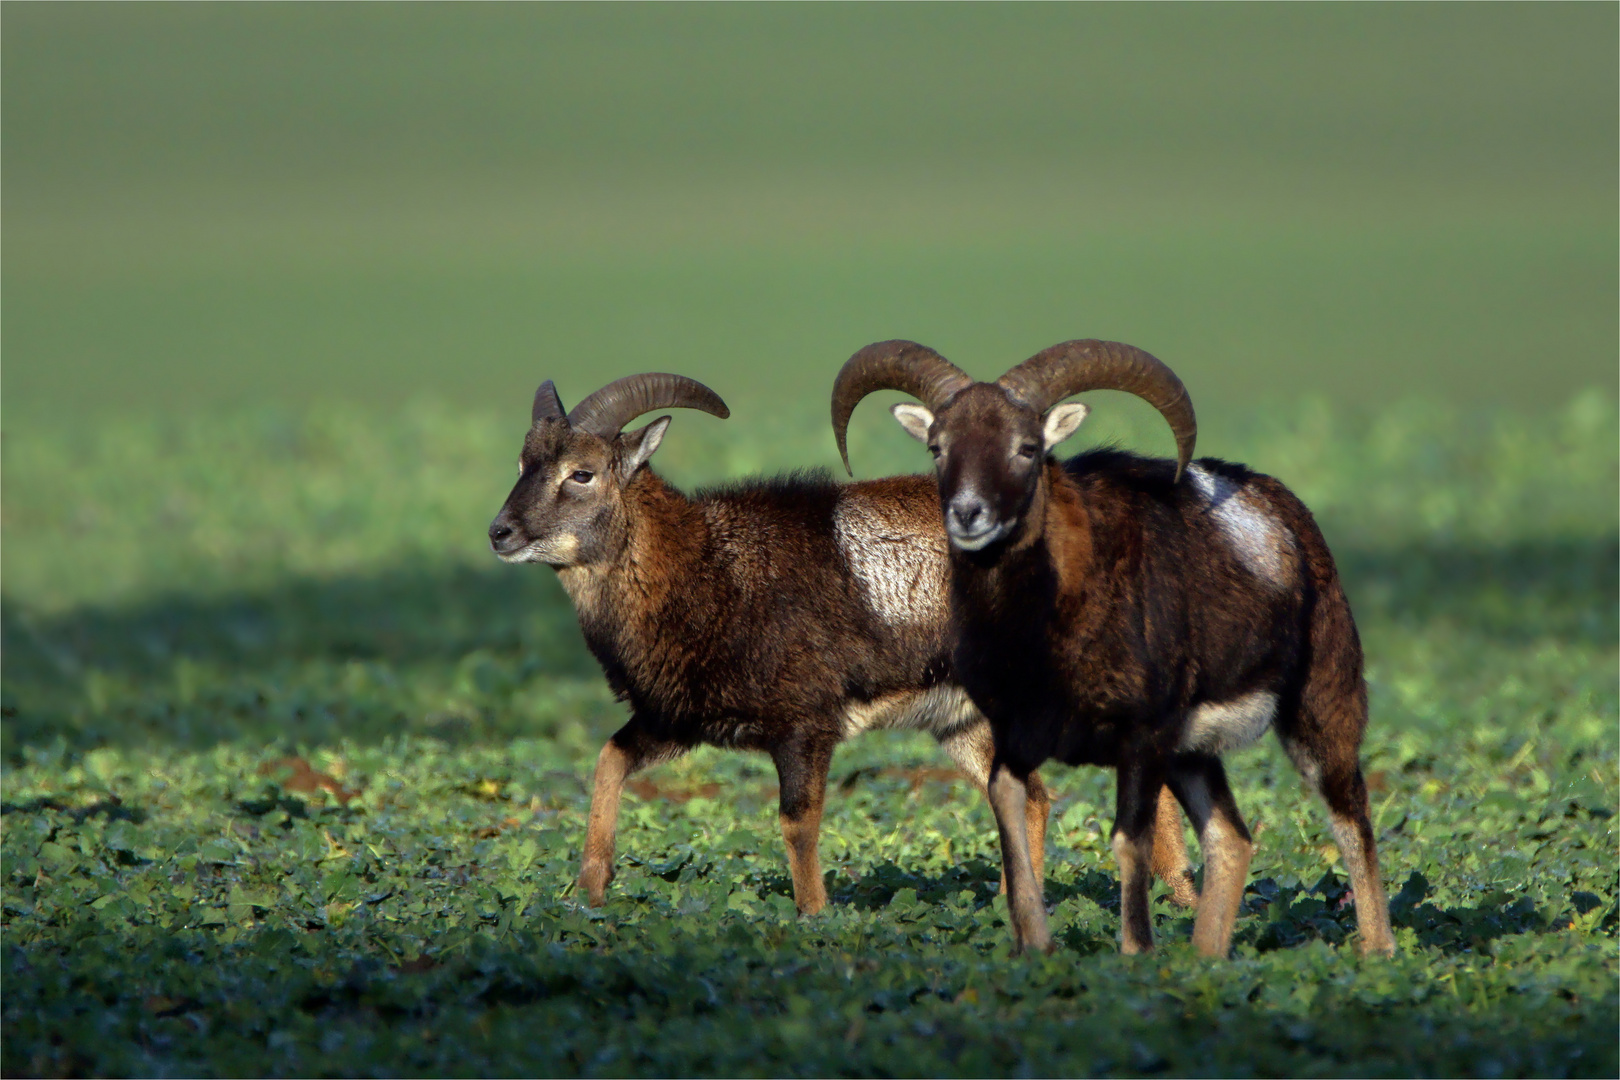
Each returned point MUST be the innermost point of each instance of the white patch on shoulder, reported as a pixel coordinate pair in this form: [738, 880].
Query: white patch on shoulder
[940, 710]
[1262, 543]
[1218, 727]
[901, 572]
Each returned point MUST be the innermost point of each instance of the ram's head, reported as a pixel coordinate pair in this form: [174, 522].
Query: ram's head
[990, 440]
[567, 508]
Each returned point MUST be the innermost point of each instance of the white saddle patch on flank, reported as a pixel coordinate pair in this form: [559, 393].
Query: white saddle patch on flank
[1259, 540]
[901, 573]
[1219, 727]
[939, 710]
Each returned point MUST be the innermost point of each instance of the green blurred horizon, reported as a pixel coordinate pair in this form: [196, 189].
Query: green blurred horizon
[212, 206]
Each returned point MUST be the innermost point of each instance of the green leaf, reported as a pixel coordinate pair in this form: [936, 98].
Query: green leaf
[1075, 817]
[56, 856]
[120, 836]
[217, 851]
[524, 854]
[102, 763]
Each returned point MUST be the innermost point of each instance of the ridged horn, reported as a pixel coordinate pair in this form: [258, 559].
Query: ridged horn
[605, 412]
[892, 365]
[547, 405]
[1077, 366]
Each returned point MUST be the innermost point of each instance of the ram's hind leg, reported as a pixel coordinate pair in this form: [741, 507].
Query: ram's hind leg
[1323, 739]
[801, 767]
[1346, 796]
[1336, 776]
[973, 749]
[1200, 783]
[626, 752]
[1170, 863]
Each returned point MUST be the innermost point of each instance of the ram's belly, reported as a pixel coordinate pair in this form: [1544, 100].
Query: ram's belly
[1219, 727]
[939, 710]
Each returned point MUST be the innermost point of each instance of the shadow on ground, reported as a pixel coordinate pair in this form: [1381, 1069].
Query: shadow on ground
[96, 675]
[1273, 916]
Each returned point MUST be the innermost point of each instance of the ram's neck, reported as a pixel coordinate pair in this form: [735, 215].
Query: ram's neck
[662, 538]
[1068, 536]
[666, 536]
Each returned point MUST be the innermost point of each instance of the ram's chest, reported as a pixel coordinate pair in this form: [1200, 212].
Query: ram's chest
[901, 574]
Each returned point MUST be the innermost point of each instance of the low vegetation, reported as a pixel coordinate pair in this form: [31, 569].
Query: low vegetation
[295, 779]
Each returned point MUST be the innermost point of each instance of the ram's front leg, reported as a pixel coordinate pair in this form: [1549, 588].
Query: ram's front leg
[1136, 810]
[626, 752]
[1009, 799]
[801, 768]
[974, 751]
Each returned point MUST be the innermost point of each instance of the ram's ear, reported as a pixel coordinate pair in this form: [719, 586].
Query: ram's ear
[1064, 420]
[635, 447]
[914, 418]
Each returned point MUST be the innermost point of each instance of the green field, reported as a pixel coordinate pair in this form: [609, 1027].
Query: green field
[295, 774]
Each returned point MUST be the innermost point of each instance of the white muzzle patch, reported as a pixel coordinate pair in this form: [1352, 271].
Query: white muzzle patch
[559, 550]
[975, 541]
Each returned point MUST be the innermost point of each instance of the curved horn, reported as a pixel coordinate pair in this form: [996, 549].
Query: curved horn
[1077, 366]
[892, 365]
[606, 412]
[547, 405]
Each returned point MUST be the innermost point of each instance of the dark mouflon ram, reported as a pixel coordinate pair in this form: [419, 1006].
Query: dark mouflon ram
[780, 615]
[1142, 614]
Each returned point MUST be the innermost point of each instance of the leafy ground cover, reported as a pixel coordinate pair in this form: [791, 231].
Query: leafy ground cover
[295, 782]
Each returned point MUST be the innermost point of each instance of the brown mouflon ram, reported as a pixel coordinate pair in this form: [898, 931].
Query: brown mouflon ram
[1142, 614]
[779, 615]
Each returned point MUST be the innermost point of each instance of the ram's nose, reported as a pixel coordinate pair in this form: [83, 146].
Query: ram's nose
[968, 514]
[970, 523]
[503, 538]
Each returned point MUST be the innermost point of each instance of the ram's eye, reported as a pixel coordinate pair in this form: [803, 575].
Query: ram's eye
[934, 449]
[580, 476]
[1028, 450]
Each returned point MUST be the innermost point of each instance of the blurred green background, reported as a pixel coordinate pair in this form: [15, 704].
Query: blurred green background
[211, 205]
[279, 280]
